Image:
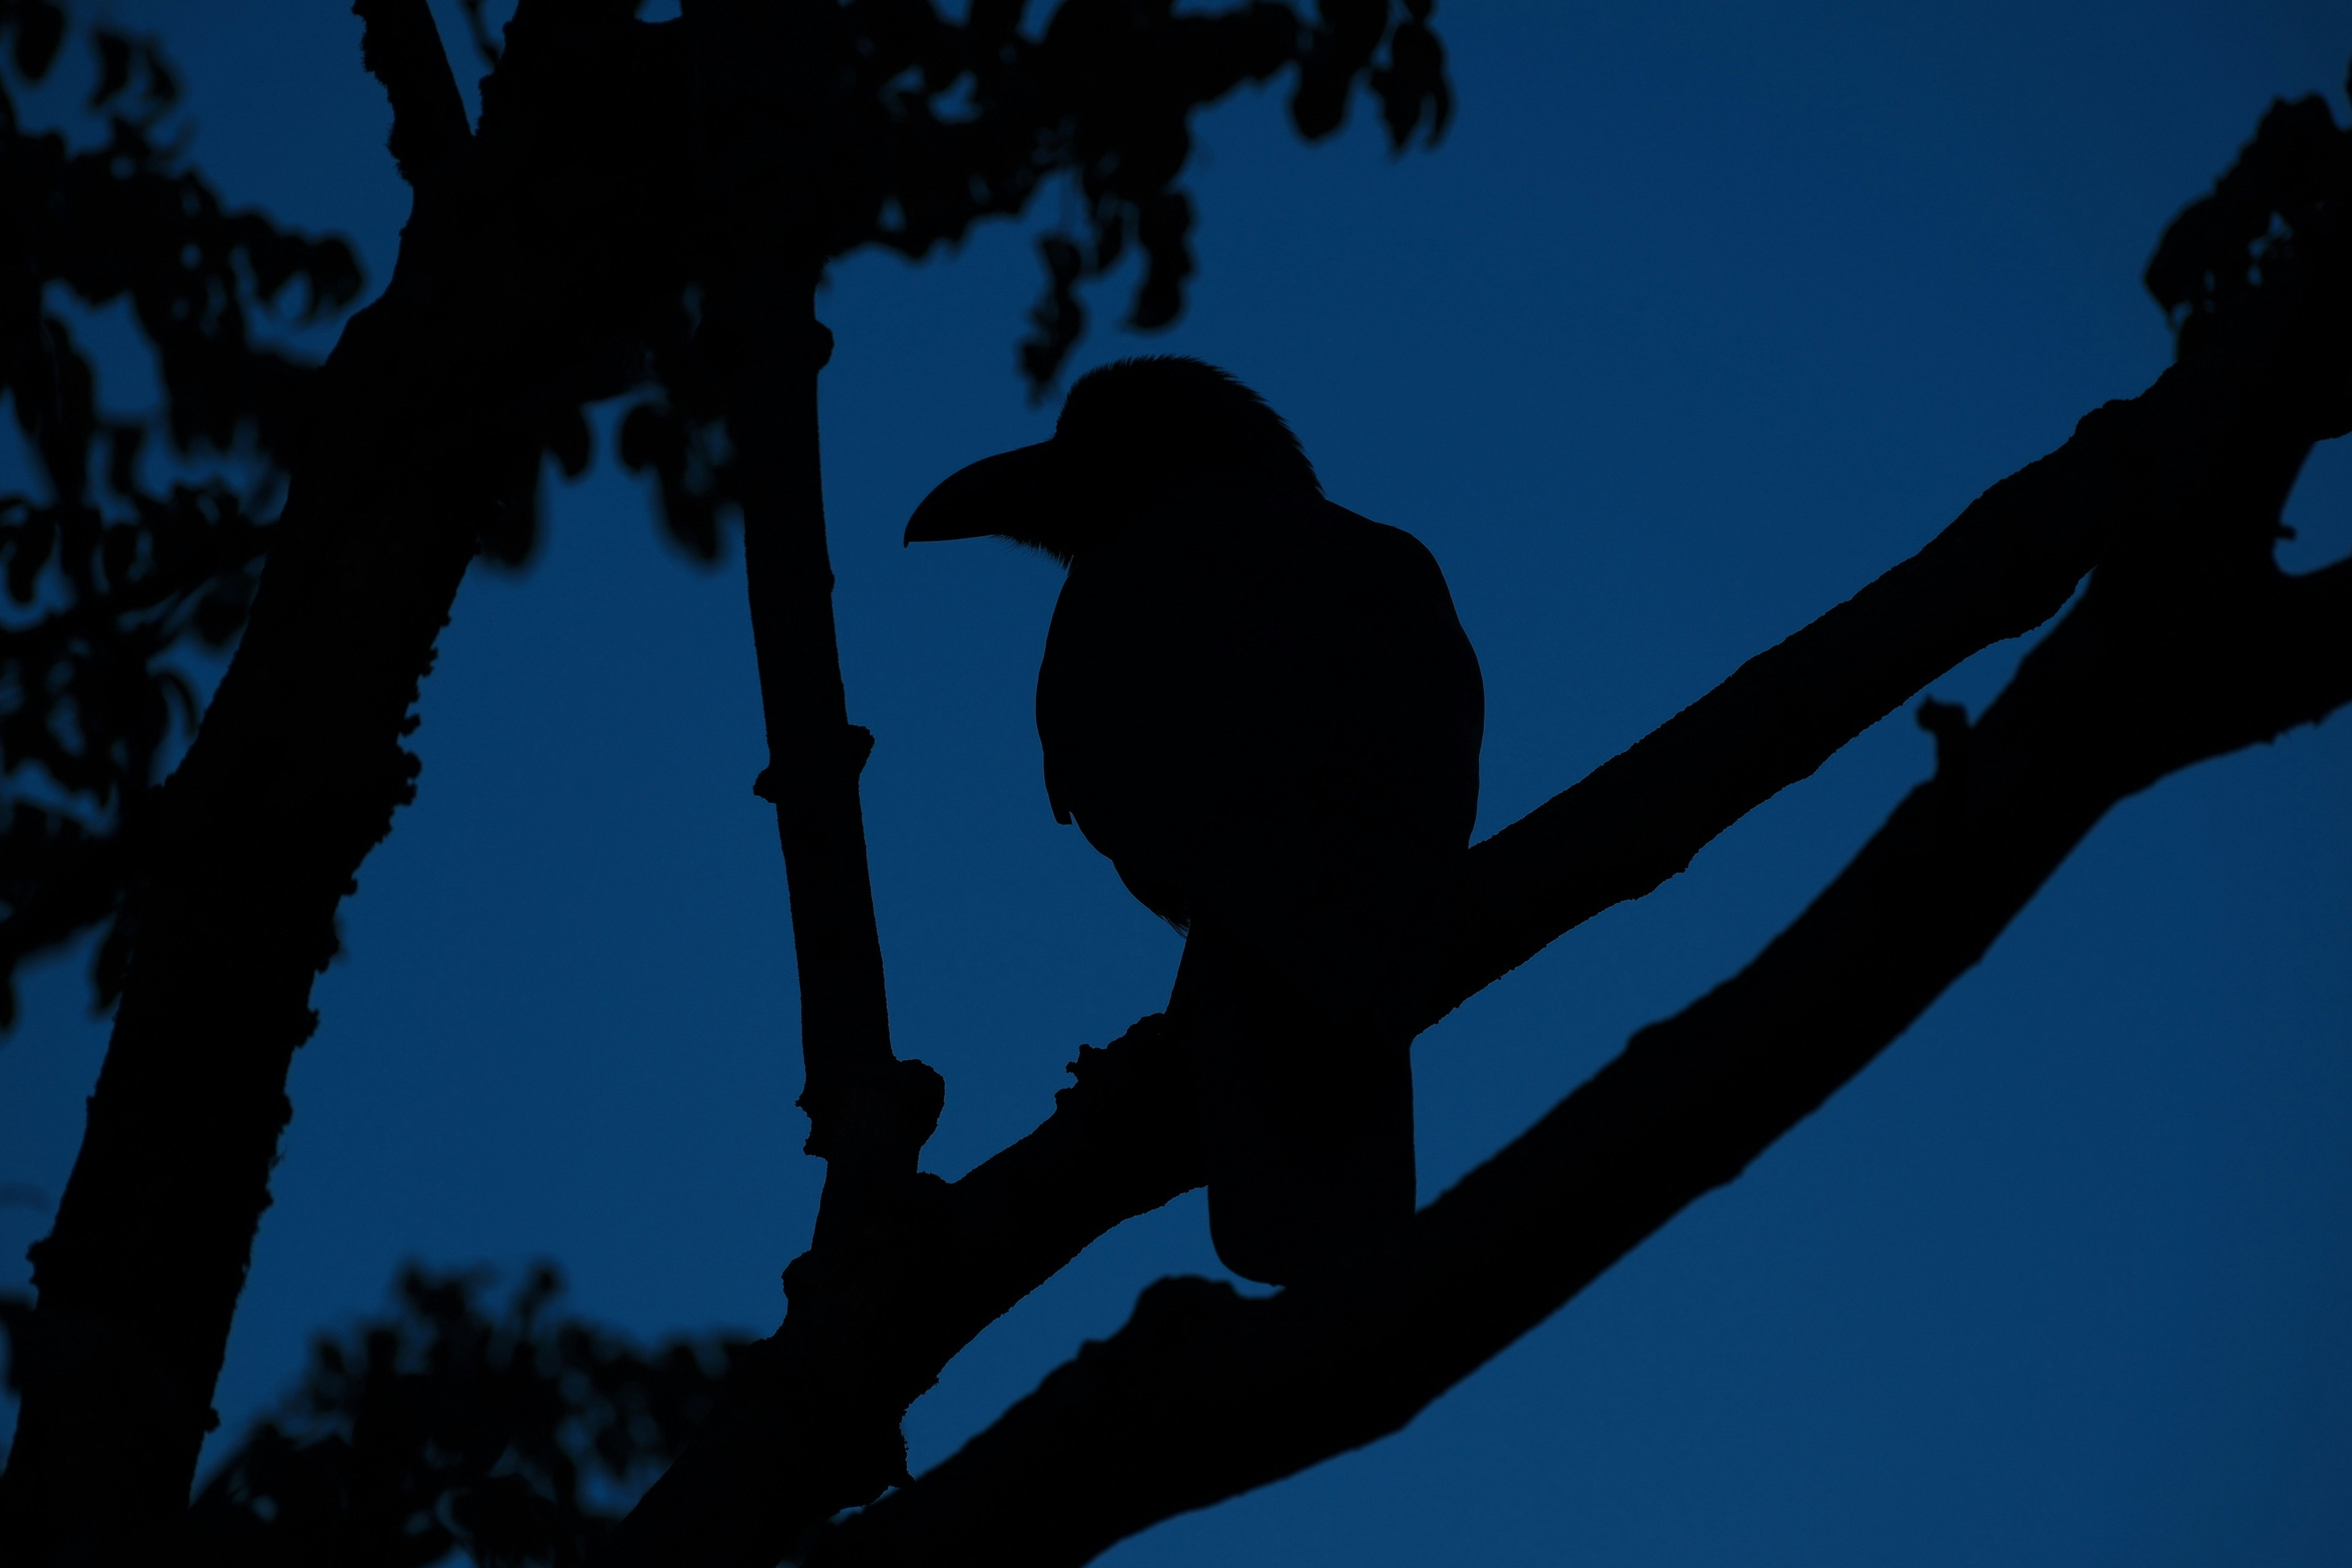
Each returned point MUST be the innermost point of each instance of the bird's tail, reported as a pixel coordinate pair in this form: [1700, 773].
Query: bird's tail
[1307, 1120]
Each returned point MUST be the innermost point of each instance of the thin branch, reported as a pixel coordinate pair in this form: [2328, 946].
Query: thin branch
[1205, 1394]
[759, 80]
[868, 1113]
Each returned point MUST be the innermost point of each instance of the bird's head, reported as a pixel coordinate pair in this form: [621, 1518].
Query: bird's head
[1129, 433]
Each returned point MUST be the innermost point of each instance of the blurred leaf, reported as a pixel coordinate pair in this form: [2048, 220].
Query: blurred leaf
[514, 1434]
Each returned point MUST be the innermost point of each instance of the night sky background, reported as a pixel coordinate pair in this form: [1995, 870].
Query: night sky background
[1703, 315]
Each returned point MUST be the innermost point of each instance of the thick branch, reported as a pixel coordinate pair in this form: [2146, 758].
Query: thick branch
[2005, 565]
[760, 88]
[293, 777]
[2267, 382]
[425, 403]
[1123, 1141]
[1204, 1394]
[402, 50]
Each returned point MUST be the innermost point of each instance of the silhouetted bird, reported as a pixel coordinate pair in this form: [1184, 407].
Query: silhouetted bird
[1262, 708]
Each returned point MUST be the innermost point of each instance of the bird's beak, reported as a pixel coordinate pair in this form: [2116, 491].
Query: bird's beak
[1004, 494]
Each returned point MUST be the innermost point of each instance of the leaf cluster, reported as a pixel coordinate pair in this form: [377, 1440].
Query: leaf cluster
[925, 125]
[513, 1434]
[2273, 225]
[108, 573]
[919, 125]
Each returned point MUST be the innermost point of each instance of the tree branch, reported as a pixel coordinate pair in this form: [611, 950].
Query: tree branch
[434, 393]
[762, 89]
[908, 1297]
[292, 778]
[402, 50]
[761, 92]
[1124, 1141]
[2005, 565]
[1204, 1394]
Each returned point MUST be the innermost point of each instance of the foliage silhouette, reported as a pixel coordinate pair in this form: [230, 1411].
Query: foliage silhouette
[653, 206]
[513, 1433]
[447, 1428]
[592, 235]
[92, 694]
[110, 576]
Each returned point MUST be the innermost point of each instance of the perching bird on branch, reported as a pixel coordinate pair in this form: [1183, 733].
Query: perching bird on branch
[1262, 708]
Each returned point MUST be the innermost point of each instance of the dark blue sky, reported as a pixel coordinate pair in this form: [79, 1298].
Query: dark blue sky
[1700, 318]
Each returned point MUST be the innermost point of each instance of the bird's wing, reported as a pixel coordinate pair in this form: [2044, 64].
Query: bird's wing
[1267, 715]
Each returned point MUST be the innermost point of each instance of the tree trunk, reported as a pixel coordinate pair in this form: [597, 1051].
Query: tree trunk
[292, 779]
[431, 403]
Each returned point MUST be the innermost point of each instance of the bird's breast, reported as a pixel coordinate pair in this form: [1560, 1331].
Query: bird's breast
[1266, 715]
